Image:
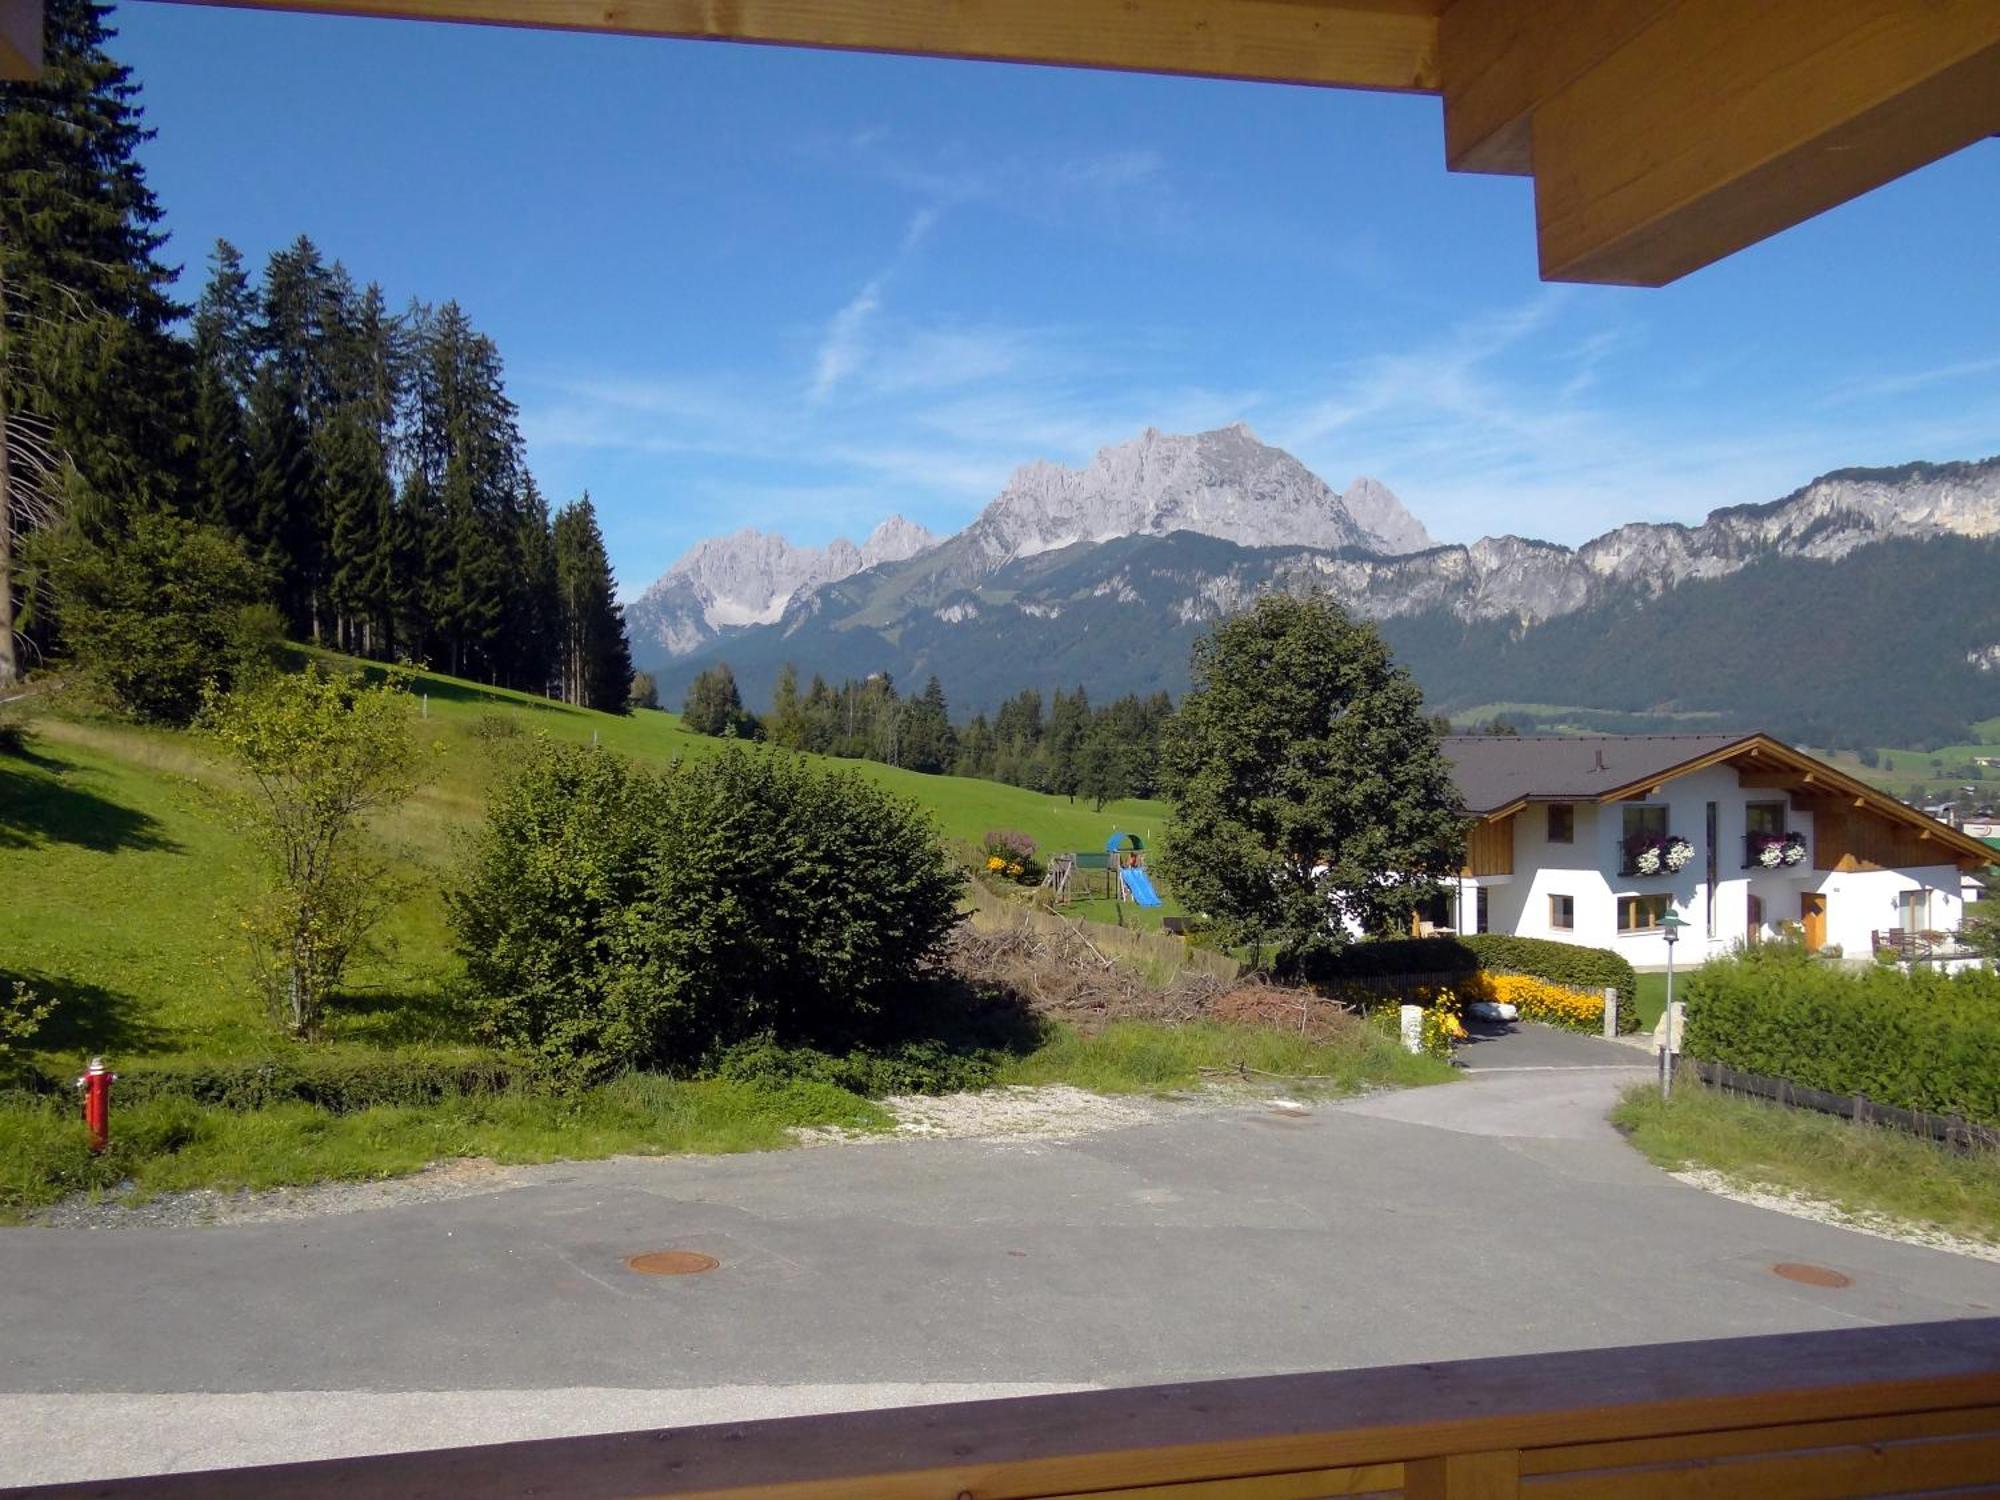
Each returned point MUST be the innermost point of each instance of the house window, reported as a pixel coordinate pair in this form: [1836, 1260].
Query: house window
[1645, 818]
[1641, 913]
[1562, 823]
[1913, 910]
[1765, 817]
[1562, 913]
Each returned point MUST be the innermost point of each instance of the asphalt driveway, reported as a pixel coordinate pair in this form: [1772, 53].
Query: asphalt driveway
[1498, 1215]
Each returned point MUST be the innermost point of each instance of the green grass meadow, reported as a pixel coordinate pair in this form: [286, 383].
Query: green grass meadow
[127, 886]
[1859, 1168]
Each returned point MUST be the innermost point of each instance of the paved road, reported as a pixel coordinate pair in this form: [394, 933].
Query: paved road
[1498, 1215]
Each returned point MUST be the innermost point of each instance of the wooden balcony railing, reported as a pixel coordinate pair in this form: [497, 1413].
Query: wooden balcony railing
[1871, 1411]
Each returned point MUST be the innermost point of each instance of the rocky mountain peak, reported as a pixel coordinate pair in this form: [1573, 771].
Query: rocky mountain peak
[893, 540]
[748, 577]
[1226, 483]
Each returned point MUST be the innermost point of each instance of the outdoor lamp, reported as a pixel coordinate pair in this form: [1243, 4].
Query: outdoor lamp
[1670, 928]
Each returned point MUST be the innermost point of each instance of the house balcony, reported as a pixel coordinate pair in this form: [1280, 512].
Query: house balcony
[1656, 855]
[1777, 853]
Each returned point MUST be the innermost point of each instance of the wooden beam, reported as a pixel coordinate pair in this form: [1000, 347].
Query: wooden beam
[1363, 44]
[20, 39]
[1724, 122]
[1498, 59]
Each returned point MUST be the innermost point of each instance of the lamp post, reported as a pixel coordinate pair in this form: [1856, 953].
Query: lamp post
[1671, 925]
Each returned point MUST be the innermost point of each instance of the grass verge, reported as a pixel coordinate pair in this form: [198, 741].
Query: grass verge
[1861, 1169]
[1139, 1057]
[168, 1144]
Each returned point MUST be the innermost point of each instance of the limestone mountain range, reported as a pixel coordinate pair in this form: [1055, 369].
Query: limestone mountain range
[1105, 574]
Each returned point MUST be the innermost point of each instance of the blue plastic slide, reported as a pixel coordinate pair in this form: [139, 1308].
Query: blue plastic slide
[1140, 888]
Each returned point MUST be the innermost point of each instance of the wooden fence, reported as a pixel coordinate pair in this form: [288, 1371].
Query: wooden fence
[1869, 1411]
[1953, 1130]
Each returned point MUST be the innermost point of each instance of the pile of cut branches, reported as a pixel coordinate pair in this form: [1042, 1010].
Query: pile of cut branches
[1055, 970]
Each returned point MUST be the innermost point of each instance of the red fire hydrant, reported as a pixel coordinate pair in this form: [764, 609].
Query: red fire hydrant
[96, 1086]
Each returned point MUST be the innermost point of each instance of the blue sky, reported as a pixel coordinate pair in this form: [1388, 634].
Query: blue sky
[756, 286]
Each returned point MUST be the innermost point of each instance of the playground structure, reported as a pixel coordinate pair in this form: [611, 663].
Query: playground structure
[1122, 864]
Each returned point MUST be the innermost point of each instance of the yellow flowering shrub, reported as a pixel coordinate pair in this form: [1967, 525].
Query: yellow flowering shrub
[1535, 1000]
[1538, 1000]
[1442, 1028]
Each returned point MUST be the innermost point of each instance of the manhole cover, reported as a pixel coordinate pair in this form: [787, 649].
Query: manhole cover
[1793, 1270]
[671, 1263]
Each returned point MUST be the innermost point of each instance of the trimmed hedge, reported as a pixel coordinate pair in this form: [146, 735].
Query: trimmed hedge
[1920, 1041]
[1543, 958]
[339, 1082]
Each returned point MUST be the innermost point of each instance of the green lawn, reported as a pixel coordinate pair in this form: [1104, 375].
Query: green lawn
[1860, 1168]
[126, 886]
[1652, 999]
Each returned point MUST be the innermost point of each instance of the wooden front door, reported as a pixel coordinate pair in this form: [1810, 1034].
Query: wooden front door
[1812, 917]
[1754, 920]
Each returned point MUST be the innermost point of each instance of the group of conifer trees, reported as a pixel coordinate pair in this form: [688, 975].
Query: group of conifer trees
[368, 461]
[1072, 751]
[372, 462]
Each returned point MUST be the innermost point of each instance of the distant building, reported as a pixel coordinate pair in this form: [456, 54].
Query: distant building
[1593, 839]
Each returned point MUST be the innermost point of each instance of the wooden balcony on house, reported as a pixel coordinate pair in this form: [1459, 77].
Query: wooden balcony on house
[1870, 1411]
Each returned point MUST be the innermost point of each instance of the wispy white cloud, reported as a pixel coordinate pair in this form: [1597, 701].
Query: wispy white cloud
[840, 351]
[1903, 383]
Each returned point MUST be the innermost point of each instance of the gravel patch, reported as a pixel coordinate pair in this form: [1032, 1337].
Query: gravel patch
[1056, 1112]
[1802, 1206]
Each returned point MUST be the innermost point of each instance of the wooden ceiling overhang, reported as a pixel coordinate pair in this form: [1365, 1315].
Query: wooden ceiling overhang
[1764, 763]
[1661, 135]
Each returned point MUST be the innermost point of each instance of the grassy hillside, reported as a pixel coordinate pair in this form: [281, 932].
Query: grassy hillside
[126, 884]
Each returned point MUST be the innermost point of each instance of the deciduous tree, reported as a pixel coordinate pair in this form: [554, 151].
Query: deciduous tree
[1309, 791]
[318, 754]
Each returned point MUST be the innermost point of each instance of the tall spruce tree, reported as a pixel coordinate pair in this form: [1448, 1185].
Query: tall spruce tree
[533, 627]
[594, 661]
[365, 363]
[283, 495]
[92, 385]
[466, 452]
[225, 371]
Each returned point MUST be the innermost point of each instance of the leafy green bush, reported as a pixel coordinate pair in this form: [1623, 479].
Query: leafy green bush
[22, 1012]
[1567, 964]
[614, 917]
[1922, 1041]
[153, 615]
[927, 1066]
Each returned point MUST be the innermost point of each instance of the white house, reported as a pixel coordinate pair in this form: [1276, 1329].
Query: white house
[1593, 839]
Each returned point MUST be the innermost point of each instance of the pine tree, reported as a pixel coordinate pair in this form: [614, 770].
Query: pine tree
[92, 385]
[594, 663]
[714, 706]
[364, 361]
[928, 742]
[225, 368]
[298, 319]
[533, 625]
[466, 450]
[284, 482]
[1069, 723]
[787, 723]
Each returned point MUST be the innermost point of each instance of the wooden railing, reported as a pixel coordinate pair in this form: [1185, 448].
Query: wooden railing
[1872, 1411]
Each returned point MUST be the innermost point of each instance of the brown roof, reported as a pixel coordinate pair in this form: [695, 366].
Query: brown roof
[1497, 774]
[1498, 770]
